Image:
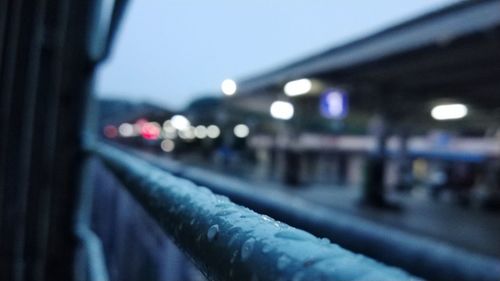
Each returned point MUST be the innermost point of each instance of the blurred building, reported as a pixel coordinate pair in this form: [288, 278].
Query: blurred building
[419, 94]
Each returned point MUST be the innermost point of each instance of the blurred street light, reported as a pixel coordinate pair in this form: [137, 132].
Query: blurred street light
[110, 131]
[241, 131]
[282, 110]
[138, 125]
[187, 134]
[167, 125]
[449, 111]
[200, 132]
[126, 130]
[180, 122]
[151, 131]
[298, 87]
[213, 131]
[228, 87]
[167, 145]
[169, 132]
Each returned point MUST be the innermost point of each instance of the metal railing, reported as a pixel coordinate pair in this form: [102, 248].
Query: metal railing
[424, 257]
[230, 242]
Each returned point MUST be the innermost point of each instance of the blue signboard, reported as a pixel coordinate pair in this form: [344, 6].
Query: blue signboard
[333, 104]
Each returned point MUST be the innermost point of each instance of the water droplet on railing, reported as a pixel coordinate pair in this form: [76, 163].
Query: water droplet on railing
[222, 198]
[212, 232]
[267, 248]
[283, 262]
[267, 218]
[293, 235]
[204, 190]
[225, 213]
[324, 241]
[247, 249]
[223, 205]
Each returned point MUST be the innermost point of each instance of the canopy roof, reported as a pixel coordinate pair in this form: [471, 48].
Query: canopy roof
[450, 54]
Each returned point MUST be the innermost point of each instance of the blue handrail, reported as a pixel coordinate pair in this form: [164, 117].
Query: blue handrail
[230, 242]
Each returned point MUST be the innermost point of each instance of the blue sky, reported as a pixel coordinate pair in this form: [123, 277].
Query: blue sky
[172, 51]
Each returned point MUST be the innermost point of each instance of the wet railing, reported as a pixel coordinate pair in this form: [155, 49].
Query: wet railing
[422, 256]
[230, 242]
